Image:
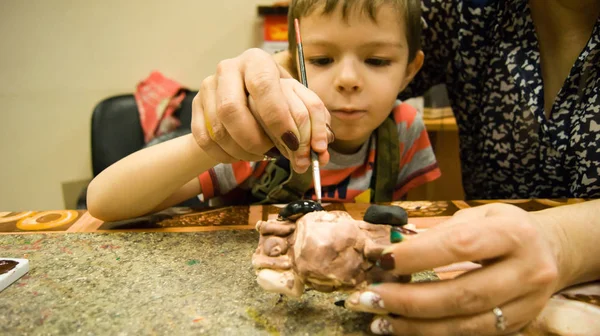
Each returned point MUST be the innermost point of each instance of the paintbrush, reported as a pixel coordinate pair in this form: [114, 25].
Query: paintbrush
[313, 156]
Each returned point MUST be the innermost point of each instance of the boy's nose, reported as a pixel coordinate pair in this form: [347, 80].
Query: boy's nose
[348, 79]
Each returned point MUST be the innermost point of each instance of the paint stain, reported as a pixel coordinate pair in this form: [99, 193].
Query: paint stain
[262, 321]
[198, 319]
[35, 246]
[7, 265]
[109, 247]
[192, 262]
[44, 315]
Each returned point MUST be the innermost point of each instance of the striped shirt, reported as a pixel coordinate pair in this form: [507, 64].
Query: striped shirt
[347, 176]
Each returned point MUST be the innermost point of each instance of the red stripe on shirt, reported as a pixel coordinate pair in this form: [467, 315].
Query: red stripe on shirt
[418, 178]
[334, 177]
[206, 184]
[260, 169]
[421, 143]
[351, 194]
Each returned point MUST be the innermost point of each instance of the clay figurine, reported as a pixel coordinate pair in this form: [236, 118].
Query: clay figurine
[324, 250]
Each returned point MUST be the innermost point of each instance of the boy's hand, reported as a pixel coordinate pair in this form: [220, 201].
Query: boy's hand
[252, 105]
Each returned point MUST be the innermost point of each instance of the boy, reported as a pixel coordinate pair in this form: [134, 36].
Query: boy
[359, 55]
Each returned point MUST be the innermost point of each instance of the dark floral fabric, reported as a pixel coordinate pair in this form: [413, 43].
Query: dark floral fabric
[487, 54]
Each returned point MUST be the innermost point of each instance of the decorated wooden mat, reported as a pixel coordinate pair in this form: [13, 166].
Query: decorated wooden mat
[421, 213]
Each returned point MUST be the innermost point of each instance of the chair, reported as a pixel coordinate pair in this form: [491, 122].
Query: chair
[116, 132]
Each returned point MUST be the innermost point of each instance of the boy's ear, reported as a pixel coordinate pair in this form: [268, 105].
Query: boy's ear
[412, 69]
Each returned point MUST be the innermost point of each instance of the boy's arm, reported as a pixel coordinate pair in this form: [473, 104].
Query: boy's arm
[149, 180]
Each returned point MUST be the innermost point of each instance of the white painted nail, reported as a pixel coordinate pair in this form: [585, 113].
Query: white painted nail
[381, 326]
[371, 300]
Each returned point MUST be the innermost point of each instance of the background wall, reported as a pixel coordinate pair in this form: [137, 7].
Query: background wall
[59, 58]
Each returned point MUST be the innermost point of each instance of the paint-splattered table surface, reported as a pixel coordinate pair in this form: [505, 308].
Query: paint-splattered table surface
[155, 283]
[181, 272]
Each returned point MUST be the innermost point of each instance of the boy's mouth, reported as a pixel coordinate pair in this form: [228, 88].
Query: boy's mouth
[348, 113]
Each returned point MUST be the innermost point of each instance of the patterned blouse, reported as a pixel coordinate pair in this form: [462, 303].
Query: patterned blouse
[487, 53]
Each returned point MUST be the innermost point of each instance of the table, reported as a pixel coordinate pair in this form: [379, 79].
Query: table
[441, 124]
[182, 271]
[443, 134]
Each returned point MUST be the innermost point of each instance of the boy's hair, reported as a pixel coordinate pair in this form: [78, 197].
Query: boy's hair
[410, 9]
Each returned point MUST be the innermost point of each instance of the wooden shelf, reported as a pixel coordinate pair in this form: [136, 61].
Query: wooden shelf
[445, 122]
[441, 124]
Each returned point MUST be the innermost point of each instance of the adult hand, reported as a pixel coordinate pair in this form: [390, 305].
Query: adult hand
[252, 107]
[520, 271]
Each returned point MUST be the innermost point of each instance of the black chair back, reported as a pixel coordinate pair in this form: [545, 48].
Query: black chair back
[117, 132]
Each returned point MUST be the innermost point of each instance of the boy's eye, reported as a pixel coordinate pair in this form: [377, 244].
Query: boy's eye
[320, 61]
[378, 62]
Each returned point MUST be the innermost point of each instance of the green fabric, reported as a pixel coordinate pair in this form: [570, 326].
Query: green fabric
[387, 162]
[277, 185]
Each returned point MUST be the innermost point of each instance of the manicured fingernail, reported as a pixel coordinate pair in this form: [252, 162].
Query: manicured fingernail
[396, 236]
[381, 326]
[273, 152]
[330, 134]
[405, 278]
[290, 140]
[303, 162]
[321, 145]
[371, 300]
[366, 302]
[387, 261]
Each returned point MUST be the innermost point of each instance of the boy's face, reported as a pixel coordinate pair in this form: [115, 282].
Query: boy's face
[357, 67]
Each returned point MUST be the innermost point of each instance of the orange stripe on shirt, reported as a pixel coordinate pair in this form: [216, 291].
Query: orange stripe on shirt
[405, 113]
[242, 170]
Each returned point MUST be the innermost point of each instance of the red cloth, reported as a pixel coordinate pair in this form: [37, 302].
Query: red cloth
[157, 98]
